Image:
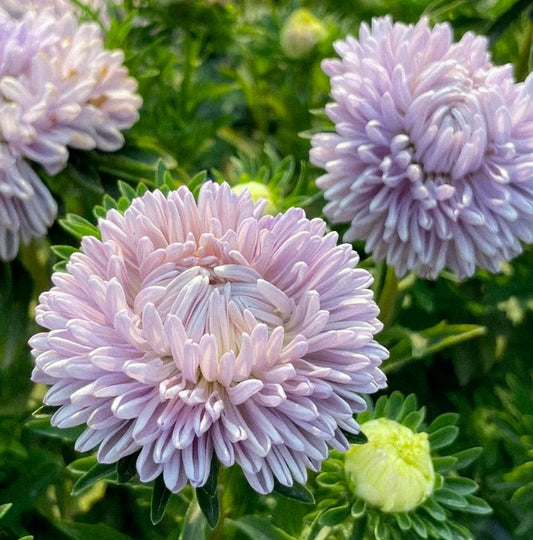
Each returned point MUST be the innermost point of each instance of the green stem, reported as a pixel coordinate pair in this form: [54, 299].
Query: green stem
[388, 297]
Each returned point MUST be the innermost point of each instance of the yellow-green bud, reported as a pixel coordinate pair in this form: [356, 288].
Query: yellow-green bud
[258, 191]
[301, 32]
[393, 470]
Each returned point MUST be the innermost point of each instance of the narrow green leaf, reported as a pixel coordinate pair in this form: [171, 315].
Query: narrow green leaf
[41, 426]
[444, 464]
[207, 496]
[448, 497]
[464, 486]
[160, 496]
[415, 419]
[409, 406]
[4, 508]
[466, 457]
[394, 405]
[126, 468]
[334, 516]
[78, 226]
[434, 509]
[194, 523]
[356, 438]
[443, 437]
[477, 505]
[98, 472]
[446, 419]
[258, 528]
[297, 491]
[63, 252]
[88, 531]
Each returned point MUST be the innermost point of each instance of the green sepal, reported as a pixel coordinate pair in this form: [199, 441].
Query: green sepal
[160, 496]
[297, 492]
[98, 472]
[334, 516]
[126, 468]
[207, 496]
[443, 437]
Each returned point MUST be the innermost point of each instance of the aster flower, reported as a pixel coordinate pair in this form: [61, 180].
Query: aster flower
[27, 208]
[59, 88]
[398, 484]
[432, 159]
[200, 329]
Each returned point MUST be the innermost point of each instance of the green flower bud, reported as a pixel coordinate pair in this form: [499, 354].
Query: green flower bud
[301, 32]
[393, 470]
[258, 191]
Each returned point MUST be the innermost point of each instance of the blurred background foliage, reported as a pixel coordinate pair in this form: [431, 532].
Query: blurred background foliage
[227, 88]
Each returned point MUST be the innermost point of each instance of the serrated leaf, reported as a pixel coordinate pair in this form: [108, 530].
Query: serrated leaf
[98, 472]
[258, 528]
[443, 437]
[88, 531]
[160, 496]
[297, 492]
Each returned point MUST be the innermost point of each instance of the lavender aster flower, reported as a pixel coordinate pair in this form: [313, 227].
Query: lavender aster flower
[27, 208]
[198, 329]
[432, 159]
[59, 88]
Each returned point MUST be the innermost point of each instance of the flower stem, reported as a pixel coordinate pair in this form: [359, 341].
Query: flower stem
[388, 297]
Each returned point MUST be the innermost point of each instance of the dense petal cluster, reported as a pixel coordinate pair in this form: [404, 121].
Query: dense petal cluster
[59, 88]
[432, 158]
[200, 328]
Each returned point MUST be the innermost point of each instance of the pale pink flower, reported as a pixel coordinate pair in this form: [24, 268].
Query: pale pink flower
[432, 158]
[200, 328]
[59, 88]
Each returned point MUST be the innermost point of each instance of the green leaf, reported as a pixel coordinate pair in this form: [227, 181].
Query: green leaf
[334, 516]
[207, 495]
[87, 531]
[194, 524]
[126, 468]
[4, 509]
[393, 406]
[443, 437]
[297, 491]
[468, 456]
[258, 528]
[409, 406]
[446, 419]
[434, 509]
[464, 486]
[414, 419]
[98, 472]
[476, 505]
[79, 226]
[417, 345]
[63, 252]
[448, 497]
[160, 496]
[444, 464]
[41, 426]
[355, 438]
